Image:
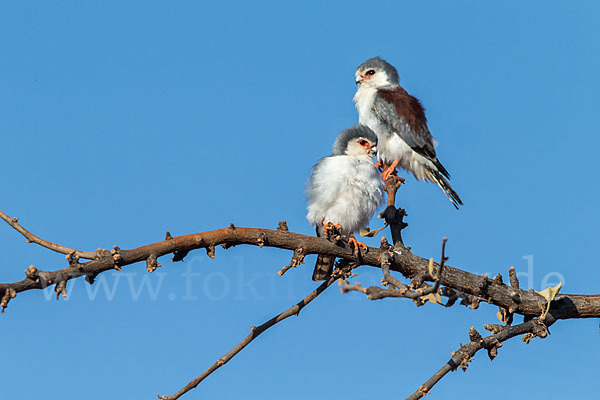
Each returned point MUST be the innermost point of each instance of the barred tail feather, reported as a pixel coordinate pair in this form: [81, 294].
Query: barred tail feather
[324, 264]
[323, 267]
[437, 178]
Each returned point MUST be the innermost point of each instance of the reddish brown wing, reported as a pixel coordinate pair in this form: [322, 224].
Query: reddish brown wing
[406, 117]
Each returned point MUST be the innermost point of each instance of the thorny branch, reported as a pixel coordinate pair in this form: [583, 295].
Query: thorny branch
[517, 301]
[499, 334]
[493, 291]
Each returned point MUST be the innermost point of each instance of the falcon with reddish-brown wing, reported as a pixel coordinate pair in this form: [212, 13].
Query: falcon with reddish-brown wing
[399, 121]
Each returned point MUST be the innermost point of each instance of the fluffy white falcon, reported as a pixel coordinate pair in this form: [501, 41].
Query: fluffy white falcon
[344, 190]
[399, 121]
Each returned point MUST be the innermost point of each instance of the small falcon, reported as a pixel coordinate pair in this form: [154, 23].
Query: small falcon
[399, 121]
[344, 191]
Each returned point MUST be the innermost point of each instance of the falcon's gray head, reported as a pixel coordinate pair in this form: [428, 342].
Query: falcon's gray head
[357, 140]
[376, 73]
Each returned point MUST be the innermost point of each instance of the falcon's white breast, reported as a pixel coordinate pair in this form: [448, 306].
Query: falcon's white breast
[345, 190]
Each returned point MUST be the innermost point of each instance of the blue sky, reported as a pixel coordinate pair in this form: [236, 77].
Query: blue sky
[122, 120]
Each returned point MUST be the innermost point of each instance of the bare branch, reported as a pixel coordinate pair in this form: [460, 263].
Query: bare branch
[31, 238]
[257, 330]
[519, 301]
[464, 355]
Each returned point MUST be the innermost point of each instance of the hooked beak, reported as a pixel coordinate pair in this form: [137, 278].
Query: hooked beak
[374, 150]
[359, 79]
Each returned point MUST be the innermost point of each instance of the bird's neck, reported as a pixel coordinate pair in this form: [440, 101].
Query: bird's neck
[364, 97]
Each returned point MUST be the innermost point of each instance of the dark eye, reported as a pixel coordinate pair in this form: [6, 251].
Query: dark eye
[370, 72]
[363, 142]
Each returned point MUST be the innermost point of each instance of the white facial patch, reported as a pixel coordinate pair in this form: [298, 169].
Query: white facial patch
[354, 147]
[378, 80]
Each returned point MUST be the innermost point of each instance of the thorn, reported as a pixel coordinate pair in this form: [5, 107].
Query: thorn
[385, 245]
[168, 236]
[152, 263]
[465, 362]
[61, 288]
[32, 273]
[89, 278]
[492, 352]
[9, 294]
[527, 337]
[210, 251]
[512, 275]
[117, 258]
[179, 255]
[474, 335]
[72, 259]
[282, 226]
[231, 226]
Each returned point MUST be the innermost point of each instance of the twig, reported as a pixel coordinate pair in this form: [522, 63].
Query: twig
[297, 259]
[438, 279]
[462, 357]
[256, 331]
[31, 238]
[399, 289]
[347, 287]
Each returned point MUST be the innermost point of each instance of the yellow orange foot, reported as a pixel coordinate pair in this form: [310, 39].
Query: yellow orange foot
[385, 175]
[329, 228]
[379, 165]
[356, 244]
[326, 227]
